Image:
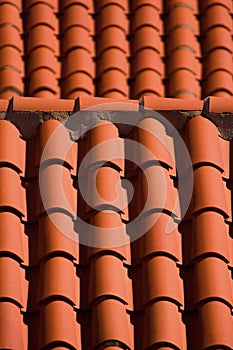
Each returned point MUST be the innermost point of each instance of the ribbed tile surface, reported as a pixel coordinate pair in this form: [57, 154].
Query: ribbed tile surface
[161, 291]
[116, 49]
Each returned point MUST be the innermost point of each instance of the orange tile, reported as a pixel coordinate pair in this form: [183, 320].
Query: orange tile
[13, 283]
[111, 15]
[146, 37]
[13, 240]
[163, 324]
[12, 198]
[161, 281]
[55, 146]
[101, 135]
[119, 329]
[159, 198]
[157, 240]
[146, 16]
[11, 318]
[219, 80]
[101, 242]
[151, 134]
[58, 280]
[111, 37]
[211, 197]
[216, 15]
[181, 16]
[108, 279]
[58, 325]
[219, 59]
[213, 281]
[57, 236]
[76, 37]
[203, 143]
[212, 315]
[217, 38]
[12, 147]
[210, 236]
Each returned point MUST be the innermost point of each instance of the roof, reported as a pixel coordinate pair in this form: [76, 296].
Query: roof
[70, 276]
[116, 49]
[116, 175]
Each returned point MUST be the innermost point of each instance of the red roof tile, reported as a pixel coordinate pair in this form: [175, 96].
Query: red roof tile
[121, 289]
[93, 184]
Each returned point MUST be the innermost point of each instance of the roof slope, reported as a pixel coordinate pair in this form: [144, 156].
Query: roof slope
[163, 290]
[116, 49]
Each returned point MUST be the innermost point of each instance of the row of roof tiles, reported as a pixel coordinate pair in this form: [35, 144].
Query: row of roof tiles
[114, 49]
[160, 290]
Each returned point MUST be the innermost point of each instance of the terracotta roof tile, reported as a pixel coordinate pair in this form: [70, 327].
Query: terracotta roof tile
[80, 268]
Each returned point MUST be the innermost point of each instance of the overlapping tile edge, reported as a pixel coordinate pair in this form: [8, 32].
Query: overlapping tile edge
[160, 290]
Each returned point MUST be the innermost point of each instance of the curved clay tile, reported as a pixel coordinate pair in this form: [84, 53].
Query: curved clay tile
[212, 281]
[75, 15]
[181, 16]
[163, 324]
[147, 82]
[208, 3]
[203, 142]
[183, 59]
[80, 84]
[183, 68]
[216, 28]
[210, 236]
[147, 59]
[213, 196]
[76, 37]
[10, 15]
[55, 145]
[218, 81]
[151, 134]
[159, 198]
[78, 60]
[215, 16]
[41, 36]
[13, 241]
[102, 3]
[212, 315]
[119, 329]
[105, 41]
[110, 220]
[190, 4]
[65, 285]
[146, 16]
[111, 58]
[43, 79]
[10, 58]
[12, 147]
[86, 3]
[219, 59]
[111, 15]
[11, 318]
[42, 57]
[183, 81]
[62, 194]
[57, 236]
[146, 37]
[108, 278]
[182, 38]
[113, 81]
[12, 198]
[13, 284]
[161, 281]
[58, 325]
[155, 241]
[138, 3]
[40, 14]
